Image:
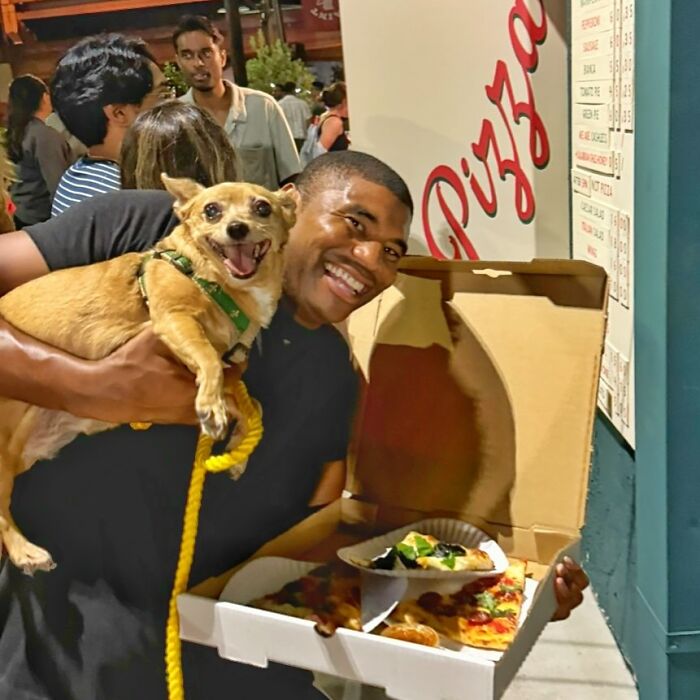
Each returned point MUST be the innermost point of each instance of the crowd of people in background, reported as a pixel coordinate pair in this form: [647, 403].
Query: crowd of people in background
[110, 121]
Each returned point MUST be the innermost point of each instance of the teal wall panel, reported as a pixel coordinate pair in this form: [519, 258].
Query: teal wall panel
[683, 323]
[608, 538]
[643, 550]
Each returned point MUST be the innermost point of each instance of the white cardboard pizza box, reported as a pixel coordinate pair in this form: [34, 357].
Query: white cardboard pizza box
[479, 400]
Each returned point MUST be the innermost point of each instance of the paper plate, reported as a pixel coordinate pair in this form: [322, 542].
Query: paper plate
[269, 574]
[445, 529]
[263, 576]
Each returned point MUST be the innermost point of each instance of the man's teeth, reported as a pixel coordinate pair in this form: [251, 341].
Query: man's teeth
[352, 282]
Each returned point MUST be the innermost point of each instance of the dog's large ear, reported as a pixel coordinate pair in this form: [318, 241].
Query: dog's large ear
[288, 200]
[182, 188]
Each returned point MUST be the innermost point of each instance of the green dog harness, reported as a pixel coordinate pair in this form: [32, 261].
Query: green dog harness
[211, 289]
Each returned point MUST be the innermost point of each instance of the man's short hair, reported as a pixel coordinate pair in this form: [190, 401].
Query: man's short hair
[288, 88]
[197, 23]
[96, 72]
[335, 168]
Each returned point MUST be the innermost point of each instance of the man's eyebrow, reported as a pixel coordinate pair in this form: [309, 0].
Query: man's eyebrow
[361, 211]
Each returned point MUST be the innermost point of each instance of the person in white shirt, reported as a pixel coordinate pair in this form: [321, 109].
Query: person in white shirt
[297, 111]
[253, 121]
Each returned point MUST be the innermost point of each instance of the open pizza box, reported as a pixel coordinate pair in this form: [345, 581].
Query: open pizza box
[478, 404]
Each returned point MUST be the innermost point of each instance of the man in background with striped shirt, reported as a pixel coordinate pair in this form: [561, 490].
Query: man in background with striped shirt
[100, 86]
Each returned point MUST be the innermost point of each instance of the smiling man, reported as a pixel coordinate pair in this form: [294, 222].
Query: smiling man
[94, 627]
[253, 121]
[97, 622]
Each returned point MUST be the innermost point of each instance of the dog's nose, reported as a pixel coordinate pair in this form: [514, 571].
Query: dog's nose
[237, 230]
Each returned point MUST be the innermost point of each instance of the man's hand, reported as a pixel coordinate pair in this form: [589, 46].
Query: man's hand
[140, 382]
[569, 584]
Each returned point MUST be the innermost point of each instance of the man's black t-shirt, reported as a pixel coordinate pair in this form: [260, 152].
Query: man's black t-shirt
[109, 507]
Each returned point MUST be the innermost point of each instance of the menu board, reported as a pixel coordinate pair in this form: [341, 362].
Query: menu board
[602, 181]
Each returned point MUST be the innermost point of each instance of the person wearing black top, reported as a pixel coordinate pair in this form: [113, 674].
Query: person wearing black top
[110, 506]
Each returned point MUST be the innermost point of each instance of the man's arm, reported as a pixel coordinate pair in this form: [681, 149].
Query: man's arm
[331, 484]
[20, 260]
[140, 381]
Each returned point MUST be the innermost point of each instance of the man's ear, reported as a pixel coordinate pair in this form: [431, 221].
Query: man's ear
[289, 201]
[117, 114]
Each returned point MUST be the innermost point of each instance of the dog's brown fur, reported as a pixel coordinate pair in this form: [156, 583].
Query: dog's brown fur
[91, 311]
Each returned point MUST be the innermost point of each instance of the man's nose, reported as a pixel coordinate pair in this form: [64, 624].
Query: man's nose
[368, 254]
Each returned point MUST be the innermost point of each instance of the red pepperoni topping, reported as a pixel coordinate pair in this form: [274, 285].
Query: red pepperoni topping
[430, 601]
[480, 617]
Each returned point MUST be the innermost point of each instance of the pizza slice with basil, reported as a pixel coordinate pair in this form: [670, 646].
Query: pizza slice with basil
[484, 613]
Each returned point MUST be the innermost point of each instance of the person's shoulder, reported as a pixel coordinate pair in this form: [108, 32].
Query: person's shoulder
[258, 96]
[46, 133]
[142, 198]
[36, 130]
[126, 203]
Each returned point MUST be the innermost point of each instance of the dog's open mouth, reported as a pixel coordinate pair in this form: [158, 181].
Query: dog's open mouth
[241, 259]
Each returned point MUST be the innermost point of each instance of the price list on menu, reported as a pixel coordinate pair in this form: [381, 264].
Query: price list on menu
[602, 181]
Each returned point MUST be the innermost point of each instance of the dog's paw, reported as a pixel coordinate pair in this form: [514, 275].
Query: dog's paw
[29, 558]
[213, 417]
[237, 470]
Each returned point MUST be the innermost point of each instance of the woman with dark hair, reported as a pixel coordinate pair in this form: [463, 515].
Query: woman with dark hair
[40, 154]
[332, 134]
[178, 139]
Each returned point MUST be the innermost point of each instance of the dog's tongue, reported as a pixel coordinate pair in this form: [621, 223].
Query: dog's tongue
[240, 259]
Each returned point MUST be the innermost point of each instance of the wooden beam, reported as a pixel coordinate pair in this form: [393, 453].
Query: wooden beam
[8, 15]
[88, 8]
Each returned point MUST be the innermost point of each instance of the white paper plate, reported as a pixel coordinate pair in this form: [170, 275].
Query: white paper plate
[269, 574]
[445, 529]
[263, 576]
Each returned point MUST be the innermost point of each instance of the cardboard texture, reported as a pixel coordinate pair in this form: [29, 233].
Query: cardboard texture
[478, 403]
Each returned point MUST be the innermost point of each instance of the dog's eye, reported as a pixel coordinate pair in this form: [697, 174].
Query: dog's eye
[262, 207]
[212, 212]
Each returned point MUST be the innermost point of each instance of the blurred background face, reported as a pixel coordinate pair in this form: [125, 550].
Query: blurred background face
[200, 59]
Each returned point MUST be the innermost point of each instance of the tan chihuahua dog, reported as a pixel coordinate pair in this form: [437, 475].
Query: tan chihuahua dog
[206, 290]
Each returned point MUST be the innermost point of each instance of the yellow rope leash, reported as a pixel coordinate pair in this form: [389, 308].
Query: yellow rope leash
[203, 462]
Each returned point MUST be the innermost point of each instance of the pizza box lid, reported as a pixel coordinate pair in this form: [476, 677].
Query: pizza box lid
[479, 391]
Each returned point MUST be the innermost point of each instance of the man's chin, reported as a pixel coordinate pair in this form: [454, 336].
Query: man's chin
[323, 314]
